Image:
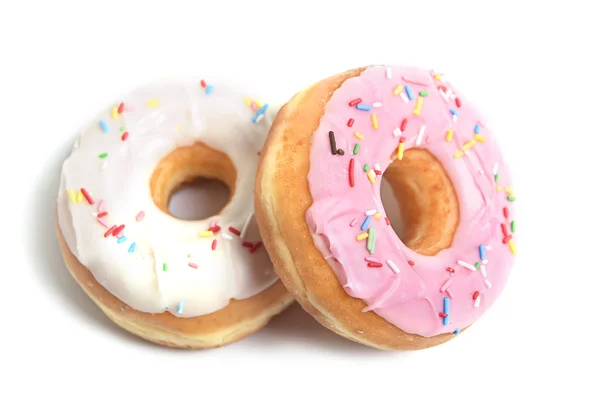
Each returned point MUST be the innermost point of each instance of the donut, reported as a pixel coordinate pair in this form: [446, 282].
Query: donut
[320, 213]
[179, 283]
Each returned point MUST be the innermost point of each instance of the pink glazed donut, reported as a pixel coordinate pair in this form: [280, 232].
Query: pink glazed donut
[320, 212]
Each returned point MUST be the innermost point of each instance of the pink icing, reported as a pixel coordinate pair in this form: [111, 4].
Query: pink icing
[413, 298]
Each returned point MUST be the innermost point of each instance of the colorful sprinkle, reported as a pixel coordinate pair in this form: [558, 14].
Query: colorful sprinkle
[392, 266]
[103, 126]
[458, 102]
[209, 89]
[398, 89]
[374, 121]
[512, 226]
[511, 245]
[118, 230]
[115, 113]
[235, 231]
[359, 136]
[122, 239]
[207, 233]
[353, 222]
[110, 231]
[423, 93]
[79, 196]
[121, 107]
[355, 102]
[350, 122]
[449, 135]
[377, 216]
[374, 264]
[124, 136]
[417, 110]
[247, 244]
[371, 176]
[387, 221]
[102, 223]
[400, 152]
[255, 247]
[371, 241]
[477, 265]
[411, 263]
[366, 168]
[457, 331]
[203, 84]
[453, 112]
[409, 92]
[449, 269]
[180, 307]
[72, 195]
[477, 128]
[364, 107]
[403, 124]
[131, 248]
[468, 145]
[214, 245]
[87, 196]
[192, 265]
[480, 138]
[362, 236]
[511, 198]
[458, 154]
[102, 214]
[351, 172]
[496, 177]
[365, 224]
[482, 252]
[446, 310]
[506, 239]
[153, 103]
[164, 267]
[332, 143]
[356, 148]
[103, 155]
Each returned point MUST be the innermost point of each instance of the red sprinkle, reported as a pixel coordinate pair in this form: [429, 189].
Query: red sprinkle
[351, 172]
[235, 231]
[475, 295]
[203, 84]
[505, 212]
[255, 247]
[374, 264]
[247, 244]
[506, 239]
[215, 229]
[387, 221]
[504, 230]
[109, 231]
[355, 101]
[193, 265]
[402, 139]
[118, 230]
[410, 262]
[121, 106]
[403, 125]
[87, 196]
[443, 88]
[458, 102]
[350, 122]
[101, 215]
[449, 269]
[378, 172]
[124, 136]
[214, 245]
[444, 315]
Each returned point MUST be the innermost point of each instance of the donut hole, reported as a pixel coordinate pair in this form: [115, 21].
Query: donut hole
[420, 202]
[193, 182]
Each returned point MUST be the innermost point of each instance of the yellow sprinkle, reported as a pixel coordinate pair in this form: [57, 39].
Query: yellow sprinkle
[259, 103]
[115, 113]
[417, 110]
[153, 103]
[375, 122]
[498, 188]
[480, 138]
[437, 77]
[400, 154]
[206, 233]
[362, 236]
[371, 176]
[398, 90]
[509, 190]
[469, 145]
[511, 245]
[449, 135]
[377, 216]
[359, 136]
[72, 195]
[459, 154]
[247, 101]
[79, 196]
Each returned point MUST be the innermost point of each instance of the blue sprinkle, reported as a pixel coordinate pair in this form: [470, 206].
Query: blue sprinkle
[409, 92]
[482, 252]
[457, 331]
[209, 89]
[363, 107]
[180, 307]
[366, 223]
[132, 247]
[453, 111]
[258, 113]
[446, 310]
[122, 239]
[477, 128]
[103, 126]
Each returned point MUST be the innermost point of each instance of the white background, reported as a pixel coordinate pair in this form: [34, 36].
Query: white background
[531, 67]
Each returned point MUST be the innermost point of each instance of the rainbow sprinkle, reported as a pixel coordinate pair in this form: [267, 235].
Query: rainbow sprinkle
[446, 319]
[363, 107]
[103, 126]
[153, 103]
[409, 92]
[371, 241]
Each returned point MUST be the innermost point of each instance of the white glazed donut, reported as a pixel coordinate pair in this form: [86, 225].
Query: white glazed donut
[161, 269]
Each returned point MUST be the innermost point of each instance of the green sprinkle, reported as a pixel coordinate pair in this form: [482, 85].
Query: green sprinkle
[356, 148]
[164, 267]
[496, 177]
[423, 93]
[511, 198]
[366, 167]
[371, 240]
[512, 226]
[477, 265]
[122, 128]
[189, 256]
[103, 155]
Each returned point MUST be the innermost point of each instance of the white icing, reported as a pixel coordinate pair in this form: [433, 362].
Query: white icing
[185, 114]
